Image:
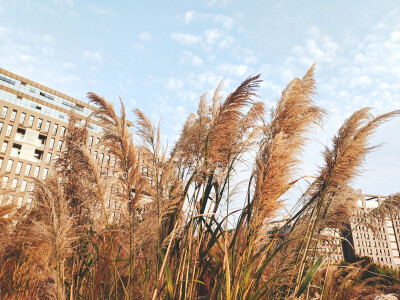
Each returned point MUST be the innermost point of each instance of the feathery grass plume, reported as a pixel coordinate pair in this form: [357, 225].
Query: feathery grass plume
[224, 130]
[388, 209]
[41, 245]
[6, 220]
[340, 211]
[118, 142]
[283, 141]
[166, 189]
[342, 164]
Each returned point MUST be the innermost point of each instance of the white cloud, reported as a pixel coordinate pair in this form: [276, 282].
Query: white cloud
[217, 36]
[3, 31]
[69, 2]
[220, 2]
[189, 57]
[233, 70]
[145, 36]
[69, 65]
[186, 39]
[174, 84]
[226, 42]
[213, 35]
[92, 56]
[138, 47]
[226, 21]
[102, 11]
[189, 16]
[249, 60]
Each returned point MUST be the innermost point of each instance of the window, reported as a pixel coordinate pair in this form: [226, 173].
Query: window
[9, 165]
[36, 174]
[29, 203]
[1, 162]
[97, 141]
[57, 156]
[48, 96]
[47, 127]
[18, 168]
[20, 200]
[9, 129]
[108, 159]
[1, 126]
[101, 157]
[22, 118]
[39, 123]
[95, 155]
[31, 119]
[14, 184]
[7, 80]
[37, 155]
[4, 147]
[32, 186]
[4, 112]
[42, 140]
[45, 171]
[5, 180]
[55, 128]
[62, 131]
[59, 145]
[48, 158]
[13, 115]
[23, 186]
[90, 140]
[28, 169]
[51, 146]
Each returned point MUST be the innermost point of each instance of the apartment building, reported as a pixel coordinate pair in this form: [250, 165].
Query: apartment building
[33, 122]
[382, 245]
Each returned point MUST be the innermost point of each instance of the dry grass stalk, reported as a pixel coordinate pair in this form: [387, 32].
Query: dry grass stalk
[181, 246]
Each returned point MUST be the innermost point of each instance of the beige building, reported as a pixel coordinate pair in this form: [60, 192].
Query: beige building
[383, 245]
[33, 121]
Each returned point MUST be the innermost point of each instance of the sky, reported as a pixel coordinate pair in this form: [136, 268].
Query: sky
[160, 56]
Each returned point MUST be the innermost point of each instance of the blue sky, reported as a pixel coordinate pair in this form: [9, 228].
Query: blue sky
[160, 56]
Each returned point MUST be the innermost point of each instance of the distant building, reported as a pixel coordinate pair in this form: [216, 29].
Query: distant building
[383, 246]
[33, 122]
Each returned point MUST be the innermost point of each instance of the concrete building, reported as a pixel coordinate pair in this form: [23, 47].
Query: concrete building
[383, 245]
[33, 121]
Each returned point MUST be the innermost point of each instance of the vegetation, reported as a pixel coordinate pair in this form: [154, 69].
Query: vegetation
[87, 236]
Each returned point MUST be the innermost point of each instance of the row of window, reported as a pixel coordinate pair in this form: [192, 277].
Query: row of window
[8, 80]
[14, 184]
[20, 163]
[27, 171]
[368, 244]
[17, 148]
[9, 199]
[30, 122]
[368, 251]
[25, 88]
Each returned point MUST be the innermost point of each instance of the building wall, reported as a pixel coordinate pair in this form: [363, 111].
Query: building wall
[382, 246]
[33, 120]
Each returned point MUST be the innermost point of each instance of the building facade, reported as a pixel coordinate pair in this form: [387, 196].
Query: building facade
[33, 122]
[382, 245]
